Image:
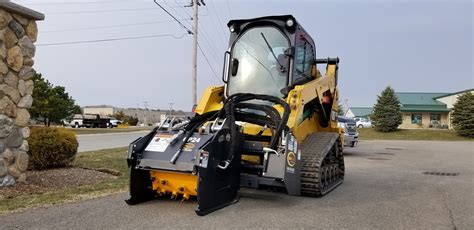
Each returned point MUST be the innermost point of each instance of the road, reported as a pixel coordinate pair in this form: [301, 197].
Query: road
[91, 142]
[384, 188]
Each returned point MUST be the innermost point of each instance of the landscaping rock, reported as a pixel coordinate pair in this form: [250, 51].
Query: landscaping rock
[10, 92]
[7, 181]
[13, 171]
[25, 102]
[21, 161]
[26, 73]
[25, 146]
[15, 58]
[27, 47]
[6, 127]
[32, 30]
[3, 51]
[3, 169]
[11, 79]
[7, 107]
[15, 139]
[22, 88]
[5, 18]
[10, 38]
[25, 132]
[28, 61]
[22, 118]
[17, 28]
[3, 67]
[8, 157]
[21, 178]
[29, 87]
[2, 148]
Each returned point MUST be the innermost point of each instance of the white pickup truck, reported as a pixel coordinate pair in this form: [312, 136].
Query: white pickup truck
[75, 121]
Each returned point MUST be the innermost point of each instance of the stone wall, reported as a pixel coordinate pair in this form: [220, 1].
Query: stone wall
[18, 32]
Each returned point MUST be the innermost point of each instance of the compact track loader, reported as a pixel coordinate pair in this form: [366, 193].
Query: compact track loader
[271, 125]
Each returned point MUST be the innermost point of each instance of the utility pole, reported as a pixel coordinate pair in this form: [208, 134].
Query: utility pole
[171, 107]
[145, 103]
[195, 4]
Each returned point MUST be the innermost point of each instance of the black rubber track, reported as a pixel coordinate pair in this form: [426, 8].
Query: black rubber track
[322, 164]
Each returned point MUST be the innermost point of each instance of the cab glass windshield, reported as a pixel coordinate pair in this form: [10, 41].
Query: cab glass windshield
[258, 68]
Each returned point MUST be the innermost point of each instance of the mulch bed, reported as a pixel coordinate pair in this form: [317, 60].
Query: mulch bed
[39, 182]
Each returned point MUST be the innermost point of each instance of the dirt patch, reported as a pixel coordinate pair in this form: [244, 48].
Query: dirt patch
[39, 182]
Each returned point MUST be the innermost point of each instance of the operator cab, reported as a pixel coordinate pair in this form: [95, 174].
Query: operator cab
[268, 55]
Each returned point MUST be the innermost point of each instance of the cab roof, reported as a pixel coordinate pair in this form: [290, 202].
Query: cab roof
[275, 17]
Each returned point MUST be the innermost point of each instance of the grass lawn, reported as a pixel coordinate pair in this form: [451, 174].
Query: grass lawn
[104, 130]
[412, 134]
[113, 159]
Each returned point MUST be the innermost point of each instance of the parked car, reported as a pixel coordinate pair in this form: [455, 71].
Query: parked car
[114, 123]
[351, 136]
[363, 122]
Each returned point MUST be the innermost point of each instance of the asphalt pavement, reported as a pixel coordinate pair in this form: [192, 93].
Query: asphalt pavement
[91, 142]
[384, 188]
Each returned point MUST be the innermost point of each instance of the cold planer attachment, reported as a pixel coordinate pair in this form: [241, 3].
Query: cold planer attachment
[203, 159]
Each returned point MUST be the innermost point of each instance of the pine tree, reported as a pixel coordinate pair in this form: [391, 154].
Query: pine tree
[463, 115]
[387, 116]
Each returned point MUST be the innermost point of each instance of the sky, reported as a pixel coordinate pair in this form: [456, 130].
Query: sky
[412, 46]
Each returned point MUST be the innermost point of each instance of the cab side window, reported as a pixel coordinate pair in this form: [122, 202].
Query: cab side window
[303, 60]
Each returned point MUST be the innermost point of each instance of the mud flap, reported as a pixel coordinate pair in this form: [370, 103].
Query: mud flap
[218, 182]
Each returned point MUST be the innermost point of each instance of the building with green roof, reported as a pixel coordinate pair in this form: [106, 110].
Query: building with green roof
[422, 110]
[419, 110]
[364, 112]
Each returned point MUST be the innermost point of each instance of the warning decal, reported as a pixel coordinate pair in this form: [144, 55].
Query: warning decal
[159, 143]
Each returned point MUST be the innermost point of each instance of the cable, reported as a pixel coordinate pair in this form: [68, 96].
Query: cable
[101, 11]
[184, 27]
[67, 3]
[208, 63]
[216, 23]
[218, 18]
[110, 26]
[111, 39]
[228, 8]
[183, 9]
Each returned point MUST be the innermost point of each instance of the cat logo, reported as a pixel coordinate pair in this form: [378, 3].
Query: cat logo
[291, 159]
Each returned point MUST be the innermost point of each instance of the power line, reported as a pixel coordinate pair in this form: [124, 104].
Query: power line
[204, 36]
[175, 11]
[69, 3]
[183, 9]
[228, 8]
[101, 11]
[216, 23]
[179, 22]
[208, 63]
[110, 40]
[218, 18]
[110, 26]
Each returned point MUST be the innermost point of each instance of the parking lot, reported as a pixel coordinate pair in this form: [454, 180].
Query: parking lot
[384, 188]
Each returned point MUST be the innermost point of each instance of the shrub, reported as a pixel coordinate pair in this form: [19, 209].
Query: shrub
[387, 116]
[463, 115]
[133, 121]
[51, 147]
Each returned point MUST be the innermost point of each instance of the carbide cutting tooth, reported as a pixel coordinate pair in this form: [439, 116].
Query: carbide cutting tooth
[185, 197]
[174, 195]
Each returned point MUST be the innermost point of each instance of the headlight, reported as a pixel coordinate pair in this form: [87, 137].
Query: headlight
[232, 28]
[290, 22]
